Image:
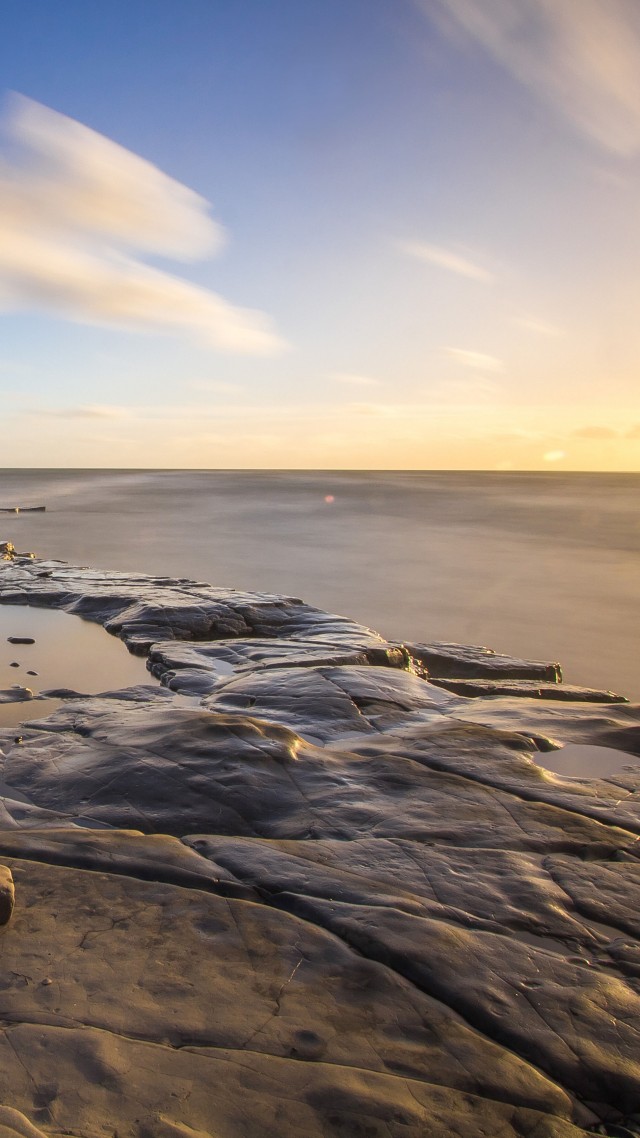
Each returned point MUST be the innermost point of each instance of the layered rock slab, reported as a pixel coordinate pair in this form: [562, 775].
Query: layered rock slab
[179, 1093]
[166, 768]
[347, 901]
[100, 963]
[178, 769]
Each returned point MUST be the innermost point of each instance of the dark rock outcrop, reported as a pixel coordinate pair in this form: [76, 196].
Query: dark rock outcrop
[461, 661]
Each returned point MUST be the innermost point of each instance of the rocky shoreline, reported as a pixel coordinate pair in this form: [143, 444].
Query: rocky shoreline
[315, 884]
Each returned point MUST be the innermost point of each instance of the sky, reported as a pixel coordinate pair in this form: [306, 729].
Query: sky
[379, 234]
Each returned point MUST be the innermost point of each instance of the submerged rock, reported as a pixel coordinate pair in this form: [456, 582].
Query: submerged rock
[301, 889]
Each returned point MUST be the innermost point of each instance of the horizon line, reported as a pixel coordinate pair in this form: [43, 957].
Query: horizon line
[317, 470]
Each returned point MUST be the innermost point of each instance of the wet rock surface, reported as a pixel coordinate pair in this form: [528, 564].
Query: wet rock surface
[303, 890]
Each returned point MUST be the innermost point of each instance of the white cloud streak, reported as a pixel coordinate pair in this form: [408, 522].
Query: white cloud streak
[74, 209]
[580, 56]
[476, 361]
[443, 258]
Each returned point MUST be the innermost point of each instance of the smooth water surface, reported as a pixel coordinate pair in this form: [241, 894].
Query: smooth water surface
[540, 565]
[68, 653]
[588, 761]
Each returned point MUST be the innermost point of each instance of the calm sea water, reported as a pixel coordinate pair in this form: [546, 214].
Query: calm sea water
[540, 565]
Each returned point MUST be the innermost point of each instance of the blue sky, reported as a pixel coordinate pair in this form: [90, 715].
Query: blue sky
[428, 208]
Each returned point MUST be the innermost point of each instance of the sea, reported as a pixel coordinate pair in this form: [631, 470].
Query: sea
[540, 565]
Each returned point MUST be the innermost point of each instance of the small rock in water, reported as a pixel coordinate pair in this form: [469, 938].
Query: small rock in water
[14, 664]
[31, 672]
[20, 640]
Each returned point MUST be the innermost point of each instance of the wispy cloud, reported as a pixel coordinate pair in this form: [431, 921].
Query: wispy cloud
[475, 389]
[163, 412]
[84, 411]
[171, 413]
[443, 258]
[580, 56]
[540, 327]
[75, 207]
[350, 379]
[476, 361]
[520, 435]
[213, 386]
[376, 410]
[596, 432]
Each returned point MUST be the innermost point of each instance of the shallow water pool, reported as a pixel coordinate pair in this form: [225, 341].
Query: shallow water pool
[68, 652]
[583, 760]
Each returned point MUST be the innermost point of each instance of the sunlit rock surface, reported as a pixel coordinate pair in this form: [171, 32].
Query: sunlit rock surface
[7, 895]
[302, 890]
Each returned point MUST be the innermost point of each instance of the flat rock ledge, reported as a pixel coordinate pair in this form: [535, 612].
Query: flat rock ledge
[314, 884]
